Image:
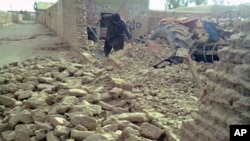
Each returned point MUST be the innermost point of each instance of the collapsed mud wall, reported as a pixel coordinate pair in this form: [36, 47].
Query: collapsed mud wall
[227, 101]
[68, 20]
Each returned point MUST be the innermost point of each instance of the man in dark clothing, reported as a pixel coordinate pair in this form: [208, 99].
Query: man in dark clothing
[115, 34]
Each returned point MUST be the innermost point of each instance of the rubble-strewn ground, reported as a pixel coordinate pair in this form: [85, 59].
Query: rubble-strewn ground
[117, 98]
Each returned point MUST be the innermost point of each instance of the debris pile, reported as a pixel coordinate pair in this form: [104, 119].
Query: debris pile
[119, 98]
[227, 100]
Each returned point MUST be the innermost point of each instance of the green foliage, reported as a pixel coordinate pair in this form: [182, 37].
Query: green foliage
[171, 4]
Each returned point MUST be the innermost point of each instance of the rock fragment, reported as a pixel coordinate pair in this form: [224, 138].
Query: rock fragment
[86, 121]
[61, 131]
[8, 135]
[150, 131]
[80, 135]
[100, 137]
[116, 92]
[44, 126]
[132, 117]
[21, 95]
[58, 121]
[25, 117]
[21, 132]
[51, 137]
[7, 101]
[106, 106]
[76, 92]
[40, 134]
[110, 128]
[128, 132]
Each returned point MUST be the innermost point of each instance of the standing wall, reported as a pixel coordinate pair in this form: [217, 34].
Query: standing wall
[8, 17]
[68, 19]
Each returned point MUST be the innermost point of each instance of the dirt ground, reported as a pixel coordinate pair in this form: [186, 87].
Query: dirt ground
[19, 42]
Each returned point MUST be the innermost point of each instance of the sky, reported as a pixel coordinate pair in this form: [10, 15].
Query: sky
[159, 4]
[18, 5]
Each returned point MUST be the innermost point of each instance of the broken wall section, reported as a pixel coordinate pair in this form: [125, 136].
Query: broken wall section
[228, 98]
[68, 20]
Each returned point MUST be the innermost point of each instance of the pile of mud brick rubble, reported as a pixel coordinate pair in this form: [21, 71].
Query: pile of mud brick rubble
[228, 98]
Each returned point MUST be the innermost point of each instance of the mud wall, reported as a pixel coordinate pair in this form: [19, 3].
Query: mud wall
[49, 17]
[68, 20]
[134, 12]
[155, 17]
[4, 18]
[29, 16]
[66, 17]
[227, 100]
[7, 17]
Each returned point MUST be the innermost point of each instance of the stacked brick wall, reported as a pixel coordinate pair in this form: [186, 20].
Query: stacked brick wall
[74, 23]
[81, 24]
[227, 101]
[69, 21]
[67, 18]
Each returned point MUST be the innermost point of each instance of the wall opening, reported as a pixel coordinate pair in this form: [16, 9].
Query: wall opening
[104, 20]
